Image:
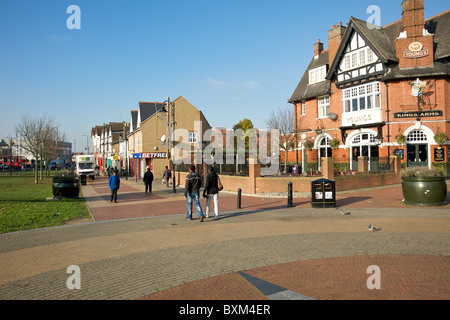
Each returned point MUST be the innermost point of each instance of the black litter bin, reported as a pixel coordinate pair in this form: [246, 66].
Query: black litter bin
[323, 193]
[83, 179]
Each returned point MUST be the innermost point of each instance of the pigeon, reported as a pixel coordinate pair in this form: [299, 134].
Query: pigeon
[372, 228]
[343, 212]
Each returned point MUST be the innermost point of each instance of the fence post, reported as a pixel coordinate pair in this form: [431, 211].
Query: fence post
[289, 194]
[238, 206]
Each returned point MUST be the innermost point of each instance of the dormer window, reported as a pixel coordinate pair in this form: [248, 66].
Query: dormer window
[317, 75]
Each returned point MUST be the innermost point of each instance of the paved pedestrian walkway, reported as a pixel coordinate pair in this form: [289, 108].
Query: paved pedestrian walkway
[143, 248]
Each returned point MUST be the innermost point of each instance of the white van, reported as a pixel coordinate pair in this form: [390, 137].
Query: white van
[85, 165]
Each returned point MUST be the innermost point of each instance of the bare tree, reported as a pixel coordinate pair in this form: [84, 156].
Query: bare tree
[283, 120]
[38, 138]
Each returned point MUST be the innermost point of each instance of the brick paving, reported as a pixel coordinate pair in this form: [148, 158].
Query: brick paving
[143, 248]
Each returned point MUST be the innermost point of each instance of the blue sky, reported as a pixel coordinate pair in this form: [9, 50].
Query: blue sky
[231, 59]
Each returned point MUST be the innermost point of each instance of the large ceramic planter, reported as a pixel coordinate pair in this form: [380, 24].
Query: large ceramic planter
[424, 191]
[66, 187]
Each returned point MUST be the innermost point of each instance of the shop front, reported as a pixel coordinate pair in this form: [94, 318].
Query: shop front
[156, 161]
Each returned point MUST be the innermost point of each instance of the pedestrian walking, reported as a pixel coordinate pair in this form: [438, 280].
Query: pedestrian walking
[148, 179]
[166, 176]
[211, 192]
[114, 185]
[192, 193]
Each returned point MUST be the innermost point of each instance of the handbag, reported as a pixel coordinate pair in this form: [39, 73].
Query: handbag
[219, 184]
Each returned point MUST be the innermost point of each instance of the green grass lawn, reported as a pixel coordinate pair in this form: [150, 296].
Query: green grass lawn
[23, 205]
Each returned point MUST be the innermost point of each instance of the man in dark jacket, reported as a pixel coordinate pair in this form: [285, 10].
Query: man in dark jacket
[211, 192]
[192, 192]
[114, 185]
[148, 179]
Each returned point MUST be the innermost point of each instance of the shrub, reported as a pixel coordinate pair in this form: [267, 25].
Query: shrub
[309, 144]
[400, 138]
[421, 172]
[334, 143]
[440, 138]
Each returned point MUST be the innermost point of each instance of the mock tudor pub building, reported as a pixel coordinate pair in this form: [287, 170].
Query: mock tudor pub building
[377, 91]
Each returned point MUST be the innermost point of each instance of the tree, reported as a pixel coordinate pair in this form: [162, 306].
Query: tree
[39, 138]
[283, 120]
[245, 125]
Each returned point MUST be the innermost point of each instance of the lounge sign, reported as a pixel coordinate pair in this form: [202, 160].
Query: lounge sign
[421, 114]
[415, 50]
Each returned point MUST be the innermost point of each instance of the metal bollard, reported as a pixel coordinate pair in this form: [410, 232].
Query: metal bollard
[289, 204]
[238, 206]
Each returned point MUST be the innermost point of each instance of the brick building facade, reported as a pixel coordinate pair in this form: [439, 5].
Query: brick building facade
[149, 145]
[357, 97]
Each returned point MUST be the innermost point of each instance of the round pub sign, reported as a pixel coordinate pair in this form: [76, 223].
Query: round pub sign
[415, 46]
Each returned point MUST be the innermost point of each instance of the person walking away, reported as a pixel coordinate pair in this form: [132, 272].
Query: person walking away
[166, 176]
[192, 193]
[211, 192]
[148, 179]
[114, 185]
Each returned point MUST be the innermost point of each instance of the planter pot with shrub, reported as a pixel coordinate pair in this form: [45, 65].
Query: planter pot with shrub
[422, 186]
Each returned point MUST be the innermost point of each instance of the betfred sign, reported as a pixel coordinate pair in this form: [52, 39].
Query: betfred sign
[150, 155]
[154, 155]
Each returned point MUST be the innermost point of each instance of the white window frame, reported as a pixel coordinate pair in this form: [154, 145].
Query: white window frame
[323, 106]
[358, 58]
[192, 137]
[317, 75]
[303, 108]
[359, 98]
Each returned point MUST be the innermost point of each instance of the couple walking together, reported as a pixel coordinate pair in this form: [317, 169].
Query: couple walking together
[210, 192]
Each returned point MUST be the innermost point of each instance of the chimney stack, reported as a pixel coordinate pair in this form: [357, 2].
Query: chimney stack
[335, 36]
[318, 48]
[413, 18]
[414, 45]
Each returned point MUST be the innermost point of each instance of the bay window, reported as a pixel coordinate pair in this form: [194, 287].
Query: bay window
[363, 97]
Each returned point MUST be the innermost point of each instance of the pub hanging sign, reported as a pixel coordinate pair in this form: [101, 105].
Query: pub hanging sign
[421, 114]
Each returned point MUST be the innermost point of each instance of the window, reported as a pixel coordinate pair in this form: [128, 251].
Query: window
[192, 137]
[363, 97]
[303, 108]
[324, 106]
[416, 136]
[317, 75]
[358, 58]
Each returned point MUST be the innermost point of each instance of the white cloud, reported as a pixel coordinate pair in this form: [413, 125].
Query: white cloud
[216, 84]
[251, 84]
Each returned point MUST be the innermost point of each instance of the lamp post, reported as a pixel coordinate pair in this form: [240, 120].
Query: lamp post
[417, 88]
[87, 143]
